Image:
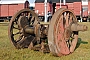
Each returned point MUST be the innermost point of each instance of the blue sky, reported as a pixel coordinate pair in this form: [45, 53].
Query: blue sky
[31, 1]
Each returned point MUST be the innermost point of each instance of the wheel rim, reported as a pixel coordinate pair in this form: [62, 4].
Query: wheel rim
[16, 33]
[59, 32]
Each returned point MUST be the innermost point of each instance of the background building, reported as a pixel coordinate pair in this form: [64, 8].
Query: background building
[81, 8]
[8, 8]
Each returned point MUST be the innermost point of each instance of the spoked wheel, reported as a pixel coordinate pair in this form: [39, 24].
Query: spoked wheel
[19, 21]
[61, 40]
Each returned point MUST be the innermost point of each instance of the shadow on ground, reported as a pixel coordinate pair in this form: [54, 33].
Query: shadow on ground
[80, 42]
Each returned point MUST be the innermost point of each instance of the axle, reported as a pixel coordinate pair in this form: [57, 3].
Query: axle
[23, 23]
[74, 27]
[29, 30]
[78, 27]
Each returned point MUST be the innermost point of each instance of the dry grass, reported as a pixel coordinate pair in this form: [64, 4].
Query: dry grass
[8, 52]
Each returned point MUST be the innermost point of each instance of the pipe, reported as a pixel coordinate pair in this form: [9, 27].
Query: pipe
[64, 2]
[45, 11]
[60, 3]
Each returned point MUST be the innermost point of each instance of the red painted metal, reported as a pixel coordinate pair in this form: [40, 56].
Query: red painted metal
[10, 9]
[0, 9]
[4, 10]
[77, 8]
[89, 8]
[62, 47]
[62, 6]
[39, 8]
[59, 32]
[70, 6]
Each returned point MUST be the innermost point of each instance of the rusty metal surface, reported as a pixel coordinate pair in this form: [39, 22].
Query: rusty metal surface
[26, 31]
[78, 27]
[15, 30]
[60, 33]
[24, 24]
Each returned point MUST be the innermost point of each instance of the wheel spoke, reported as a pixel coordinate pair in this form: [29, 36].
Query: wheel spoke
[17, 33]
[19, 38]
[28, 16]
[67, 20]
[35, 22]
[33, 18]
[70, 18]
[16, 28]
